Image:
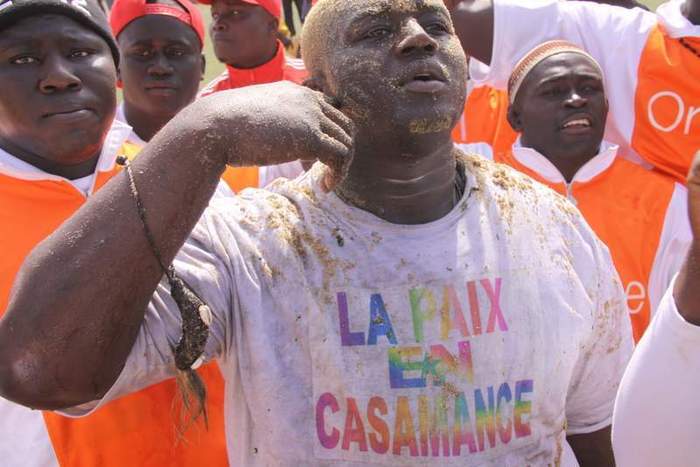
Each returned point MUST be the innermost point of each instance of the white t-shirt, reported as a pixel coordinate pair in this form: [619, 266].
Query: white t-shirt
[482, 338]
[656, 419]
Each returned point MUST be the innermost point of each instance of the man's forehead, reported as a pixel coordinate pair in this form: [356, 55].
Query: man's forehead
[568, 62]
[359, 9]
[27, 28]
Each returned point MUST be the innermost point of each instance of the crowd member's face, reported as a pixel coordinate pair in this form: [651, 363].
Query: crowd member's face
[561, 106]
[243, 34]
[161, 66]
[396, 66]
[57, 98]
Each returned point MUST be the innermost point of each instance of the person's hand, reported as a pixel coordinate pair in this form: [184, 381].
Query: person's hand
[451, 4]
[694, 198]
[283, 122]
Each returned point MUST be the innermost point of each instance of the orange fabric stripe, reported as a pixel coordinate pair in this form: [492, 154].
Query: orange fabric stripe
[485, 120]
[239, 178]
[667, 105]
[137, 430]
[628, 219]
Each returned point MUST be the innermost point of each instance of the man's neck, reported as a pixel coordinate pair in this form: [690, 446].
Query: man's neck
[399, 186]
[144, 125]
[258, 61]
[691, 10]
[70, 172]
[569, 162]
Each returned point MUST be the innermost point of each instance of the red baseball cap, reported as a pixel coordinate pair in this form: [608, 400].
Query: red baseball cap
[274, 7]
[125, 11]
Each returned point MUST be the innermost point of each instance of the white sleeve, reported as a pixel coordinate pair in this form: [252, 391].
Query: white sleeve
[675, 240]
[151, 359]
[657, 413]
[614, 36]
[603, 359]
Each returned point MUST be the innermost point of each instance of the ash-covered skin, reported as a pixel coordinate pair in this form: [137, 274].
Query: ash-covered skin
[403, 168]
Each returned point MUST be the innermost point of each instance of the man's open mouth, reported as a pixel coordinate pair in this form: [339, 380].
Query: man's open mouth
[426, 78]
[577, 124]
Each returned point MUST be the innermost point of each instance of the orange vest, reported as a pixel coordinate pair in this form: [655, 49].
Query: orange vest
[136, 430]
[667, 104]
[485, 120]
[626, 207]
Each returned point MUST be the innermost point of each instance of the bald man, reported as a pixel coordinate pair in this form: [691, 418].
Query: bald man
[402, 303]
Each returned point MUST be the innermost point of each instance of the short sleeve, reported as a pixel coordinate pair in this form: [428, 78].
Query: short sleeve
[151, 359]
[603, 356]
[519, 26]
[656, 419]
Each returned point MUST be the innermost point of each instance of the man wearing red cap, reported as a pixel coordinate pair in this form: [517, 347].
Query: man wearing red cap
[162, 62]
[244, 33]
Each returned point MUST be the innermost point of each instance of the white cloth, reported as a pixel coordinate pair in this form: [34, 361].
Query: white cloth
[656, 420]
[341, 336]
[133, 137]
[522, 25]
[269, 174]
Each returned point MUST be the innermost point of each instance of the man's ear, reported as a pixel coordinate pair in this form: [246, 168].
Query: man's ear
[204, 66]
[514, 118]
[314, 83]
[274, 26]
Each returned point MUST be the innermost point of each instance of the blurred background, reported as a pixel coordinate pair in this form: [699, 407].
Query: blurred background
[214, 68]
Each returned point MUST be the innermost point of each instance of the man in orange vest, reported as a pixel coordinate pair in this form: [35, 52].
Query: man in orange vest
[559, 106]
[649, 68]
[58, 145]
[244, 33]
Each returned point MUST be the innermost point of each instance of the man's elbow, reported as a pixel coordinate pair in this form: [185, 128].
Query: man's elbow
[26, 381]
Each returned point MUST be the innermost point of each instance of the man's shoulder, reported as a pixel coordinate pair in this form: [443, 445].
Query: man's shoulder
[524, 205]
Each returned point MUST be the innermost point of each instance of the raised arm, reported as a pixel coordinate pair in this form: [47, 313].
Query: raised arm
[80, 297]
[687, 292]
[474, 22]
[658, 395]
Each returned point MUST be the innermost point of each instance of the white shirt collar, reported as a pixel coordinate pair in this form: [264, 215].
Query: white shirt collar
[17, 168]
[536, 162]
[672, 19]
[133, 137]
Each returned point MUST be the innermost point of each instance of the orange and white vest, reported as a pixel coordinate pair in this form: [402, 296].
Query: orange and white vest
[651, 77]
[137, 430]
[639, 214]
[485, 117]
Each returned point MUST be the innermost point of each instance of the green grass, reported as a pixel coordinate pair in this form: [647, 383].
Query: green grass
[214, 68]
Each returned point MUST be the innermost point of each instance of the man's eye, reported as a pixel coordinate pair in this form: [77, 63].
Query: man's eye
[25, 60]
[437, 28]
[79, 54]
[378, 32]
[176, 52]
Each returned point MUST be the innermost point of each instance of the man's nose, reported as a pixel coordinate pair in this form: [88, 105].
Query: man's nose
[160, 66]
[575, 99]
[58, 76]
[414, 39]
